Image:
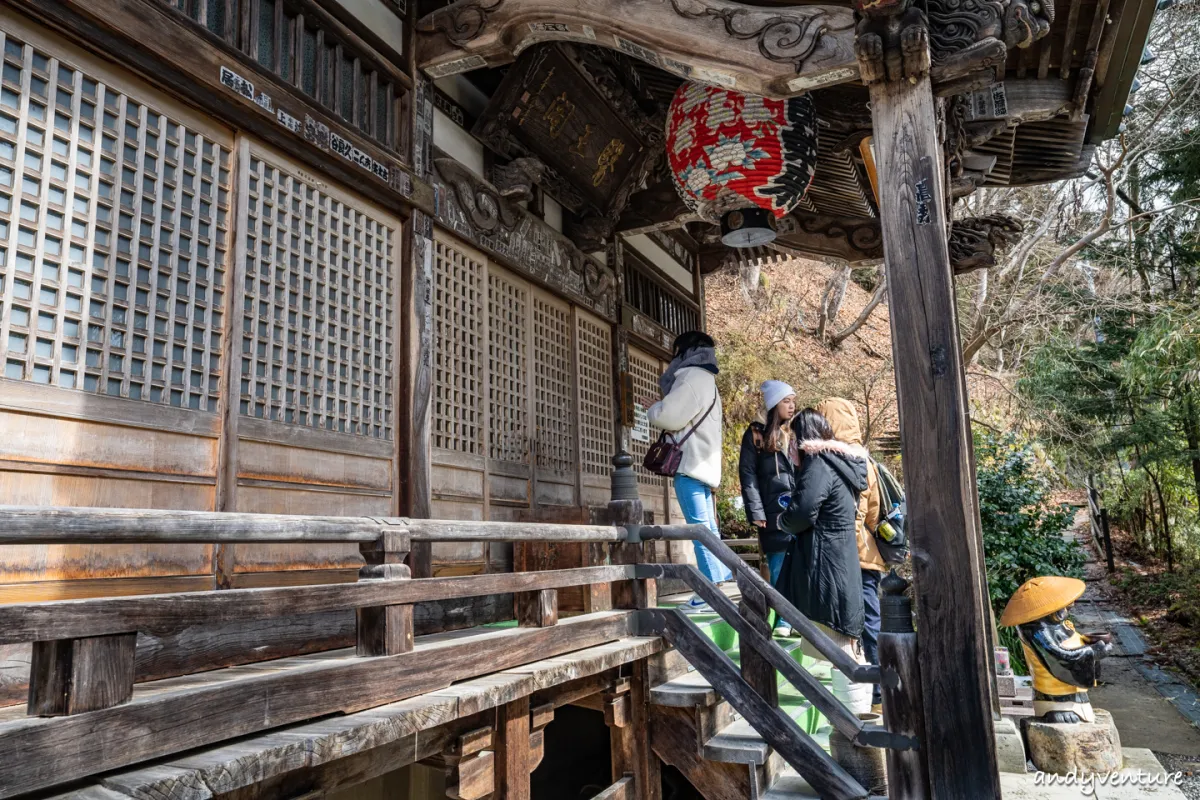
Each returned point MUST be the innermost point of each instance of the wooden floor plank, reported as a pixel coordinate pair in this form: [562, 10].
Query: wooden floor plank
[270, 756]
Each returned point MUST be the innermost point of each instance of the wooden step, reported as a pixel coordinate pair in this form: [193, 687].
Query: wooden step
[790, 786]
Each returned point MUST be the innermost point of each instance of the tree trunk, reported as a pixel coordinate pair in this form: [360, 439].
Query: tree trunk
[1191, 425]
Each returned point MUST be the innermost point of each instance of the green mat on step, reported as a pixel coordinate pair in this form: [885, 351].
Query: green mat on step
[797, 707]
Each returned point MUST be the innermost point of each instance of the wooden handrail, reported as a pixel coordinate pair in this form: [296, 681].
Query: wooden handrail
[66, 619]
[774, 725]
[859, 673]
[57, 525]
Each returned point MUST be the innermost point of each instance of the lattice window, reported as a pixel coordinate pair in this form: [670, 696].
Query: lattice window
[317, 324]
[113, 229]
[508, 369]
[458, 326]
[645, 371]
[553, 404]
[595, 394]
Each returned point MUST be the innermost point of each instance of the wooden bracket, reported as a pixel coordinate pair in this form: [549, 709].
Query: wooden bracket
[469, 764]
[71, 676]
[385, 630]
[539, 718]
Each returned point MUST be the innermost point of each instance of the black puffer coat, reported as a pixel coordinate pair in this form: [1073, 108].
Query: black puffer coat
[820, 574]
[765, 477]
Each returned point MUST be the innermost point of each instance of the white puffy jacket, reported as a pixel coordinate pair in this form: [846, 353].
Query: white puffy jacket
[676, 413]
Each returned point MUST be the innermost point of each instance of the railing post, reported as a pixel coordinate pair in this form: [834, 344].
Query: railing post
[1108, 548]
[757, 671]
[625, 510]
[71, 676]
[385, 630]
[903, 710]
[538, 609]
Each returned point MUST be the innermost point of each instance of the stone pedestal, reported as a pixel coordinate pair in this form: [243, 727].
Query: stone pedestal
[1010, 749]
[1085, 747]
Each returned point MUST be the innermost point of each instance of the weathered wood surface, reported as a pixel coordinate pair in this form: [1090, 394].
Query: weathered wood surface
[159, 43]
[178, 714]
[621, 790]
[904, 713]
[512, 750]
[537, 609]
[812, 689]
[773, 52]
[71, 676]
[956, 662]
[41, 525]
[257, 766]
[673, 735]
[167, 612]
[774, 725]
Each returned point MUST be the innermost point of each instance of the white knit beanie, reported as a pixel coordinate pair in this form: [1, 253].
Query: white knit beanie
[775, 392]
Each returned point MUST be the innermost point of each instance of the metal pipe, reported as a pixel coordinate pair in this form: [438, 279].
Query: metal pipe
[859, 673]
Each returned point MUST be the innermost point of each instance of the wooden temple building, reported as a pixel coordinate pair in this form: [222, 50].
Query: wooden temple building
[400, 270]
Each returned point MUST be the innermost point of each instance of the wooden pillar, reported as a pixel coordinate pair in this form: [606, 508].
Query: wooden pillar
[627, 714]
[71, 676]
[512, 750]
[955, 659]
[385, 630]
[757, 671]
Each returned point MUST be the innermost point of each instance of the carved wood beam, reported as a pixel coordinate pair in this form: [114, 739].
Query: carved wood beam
[854, 240]
[654, 209]
[774, 52]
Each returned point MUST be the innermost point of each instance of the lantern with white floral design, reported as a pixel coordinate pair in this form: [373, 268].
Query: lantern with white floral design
[740, 159]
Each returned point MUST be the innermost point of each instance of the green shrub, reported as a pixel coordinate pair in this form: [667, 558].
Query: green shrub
[1022, 530]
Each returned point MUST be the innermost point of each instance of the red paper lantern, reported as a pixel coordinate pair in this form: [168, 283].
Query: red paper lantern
[735, 152]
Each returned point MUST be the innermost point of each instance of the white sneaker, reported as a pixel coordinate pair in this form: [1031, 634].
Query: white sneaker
[696, 605]
[783, 629]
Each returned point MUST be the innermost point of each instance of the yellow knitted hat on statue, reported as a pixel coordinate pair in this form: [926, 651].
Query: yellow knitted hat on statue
[1039, 597]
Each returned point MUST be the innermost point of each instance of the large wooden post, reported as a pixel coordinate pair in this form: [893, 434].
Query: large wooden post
[954, 657]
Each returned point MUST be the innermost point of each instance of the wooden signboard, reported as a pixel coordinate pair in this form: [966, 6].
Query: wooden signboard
[569, 108]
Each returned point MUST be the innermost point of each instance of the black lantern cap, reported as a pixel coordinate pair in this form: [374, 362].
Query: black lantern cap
[747, 227]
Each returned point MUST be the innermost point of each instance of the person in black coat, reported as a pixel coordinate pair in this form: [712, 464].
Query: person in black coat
[766, 472]
[820, 575]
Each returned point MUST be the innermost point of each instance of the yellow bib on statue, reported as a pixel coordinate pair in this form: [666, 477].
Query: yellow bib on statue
[1043, 681]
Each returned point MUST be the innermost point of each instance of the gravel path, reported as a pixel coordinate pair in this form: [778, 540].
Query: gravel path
[1189, 766]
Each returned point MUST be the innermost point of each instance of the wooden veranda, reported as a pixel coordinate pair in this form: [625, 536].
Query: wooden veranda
[322, 321]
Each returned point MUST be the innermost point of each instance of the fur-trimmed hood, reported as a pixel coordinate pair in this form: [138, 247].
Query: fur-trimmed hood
[848, 461]
[814, 446]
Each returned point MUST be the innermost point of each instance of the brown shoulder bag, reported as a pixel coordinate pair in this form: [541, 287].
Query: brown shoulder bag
[666, 453]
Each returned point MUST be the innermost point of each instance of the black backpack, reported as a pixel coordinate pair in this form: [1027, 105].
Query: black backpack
[891, 500]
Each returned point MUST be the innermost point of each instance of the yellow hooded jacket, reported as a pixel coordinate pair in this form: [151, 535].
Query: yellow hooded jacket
[843, 418]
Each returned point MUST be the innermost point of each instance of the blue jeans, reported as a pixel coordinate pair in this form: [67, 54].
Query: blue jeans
[696, 501]
[870, 635]
[775, 564]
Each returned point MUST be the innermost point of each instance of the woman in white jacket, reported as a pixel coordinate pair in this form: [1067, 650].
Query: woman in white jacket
[690, 398]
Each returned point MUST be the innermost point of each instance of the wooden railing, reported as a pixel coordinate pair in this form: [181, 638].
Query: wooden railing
[84, 716]
[1098, 521]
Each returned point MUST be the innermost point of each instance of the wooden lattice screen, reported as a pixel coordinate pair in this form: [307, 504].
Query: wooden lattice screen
[594, 358]
[113, 232]
[458, 280]
[554, 403]
[317, 332]
[508, 368]
[523, 405]
[645, 370]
